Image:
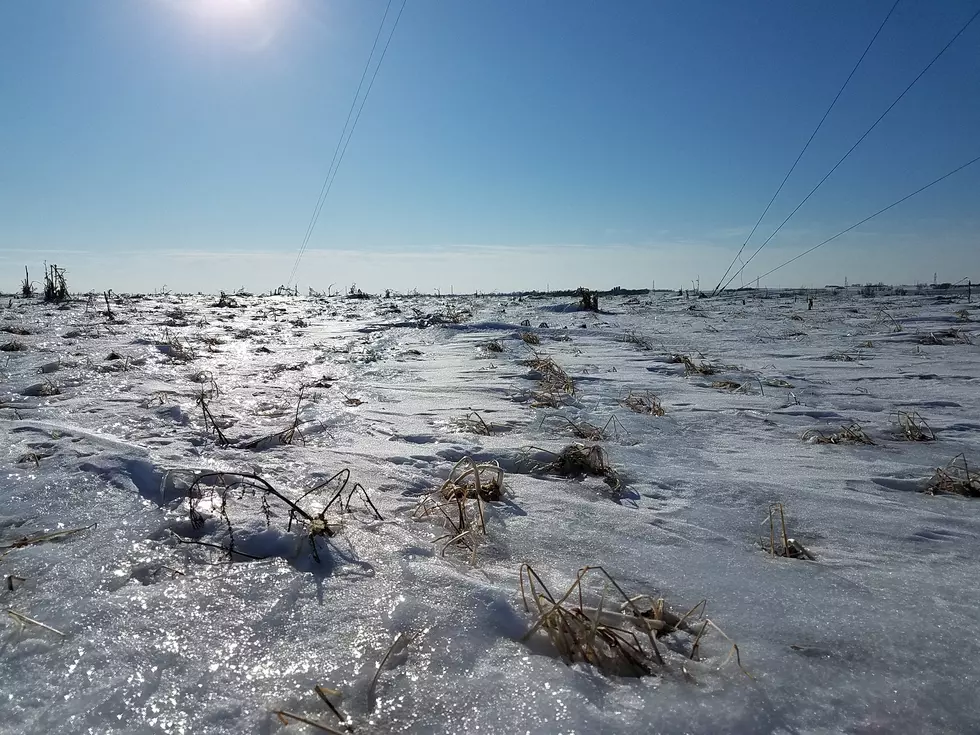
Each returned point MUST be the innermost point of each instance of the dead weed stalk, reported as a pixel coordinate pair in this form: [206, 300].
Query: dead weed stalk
[287, 435]
[781, 544]
[22, 620]
[646, 403]
[850, 434]
[210, 424]
[213, 491]
[458, 502]
[324, 694]
[42, 538]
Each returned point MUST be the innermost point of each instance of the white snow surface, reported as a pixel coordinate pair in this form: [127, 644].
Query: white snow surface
[880, 634]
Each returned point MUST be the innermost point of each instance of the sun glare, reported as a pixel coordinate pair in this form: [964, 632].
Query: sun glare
[254, 23]
[230, 9]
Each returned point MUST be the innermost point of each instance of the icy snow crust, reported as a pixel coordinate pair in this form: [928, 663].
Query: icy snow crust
[879, 634]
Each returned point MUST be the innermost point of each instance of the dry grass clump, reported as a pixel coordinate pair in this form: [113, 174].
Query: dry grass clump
[13, 346]
[780, 544]
[34, 457]
[494, 346]
[553, 376]
[733, 386]
[945, 336]
[456, 315]
[914, 428]
[850, 434]
[646, 403]
[55, 287]
[587, 431]
[458, 503]
[547, 399]
[176, 349]
[19, 331]
[530, 338]
[632, 338]
[579, 460]
[776, 383]
[885, 317]
[554, 384]
[352, 401]
[157, 398]
[840, 356]
[26, 286]
[468, 479]
[692, 366]
[588, 300]
[225, 302]
[956, 478]
[43, 390]
[619, 638]
[728, 385]
[211, 341]
[474, 424]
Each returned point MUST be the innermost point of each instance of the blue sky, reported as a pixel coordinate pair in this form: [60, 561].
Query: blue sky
[504, 145]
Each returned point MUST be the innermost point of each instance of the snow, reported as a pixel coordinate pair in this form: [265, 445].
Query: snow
[878, 634]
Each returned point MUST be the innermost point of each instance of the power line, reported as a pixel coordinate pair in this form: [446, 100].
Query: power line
[880, 211]
[851, 149]
[805, 146]
[333, 161]
[341, 148]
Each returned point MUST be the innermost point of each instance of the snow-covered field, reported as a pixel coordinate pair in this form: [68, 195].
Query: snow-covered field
[157, 627]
